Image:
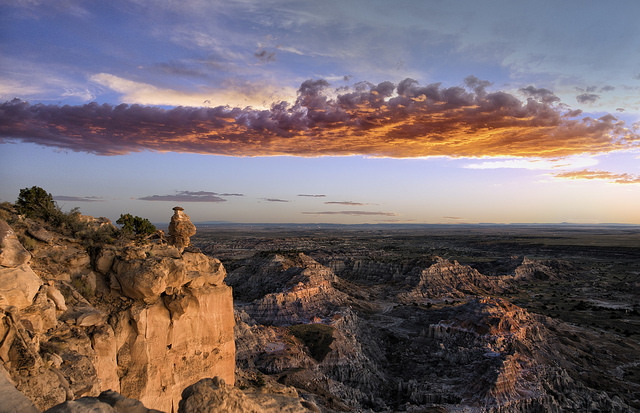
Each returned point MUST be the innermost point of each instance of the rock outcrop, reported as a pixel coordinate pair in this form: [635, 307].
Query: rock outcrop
[450, 280]
[286, 289]
[143, 319]
[180, 229]
[213, 395]
[107, 402]
[12, 253]
[543, 270]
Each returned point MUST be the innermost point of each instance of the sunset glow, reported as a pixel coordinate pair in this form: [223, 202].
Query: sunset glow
[277, 111]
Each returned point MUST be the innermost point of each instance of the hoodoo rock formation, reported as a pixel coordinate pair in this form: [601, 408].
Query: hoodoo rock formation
[180, 229]
[141, 318]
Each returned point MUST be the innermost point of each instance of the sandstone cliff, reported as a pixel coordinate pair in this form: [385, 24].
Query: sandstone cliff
[143, 319]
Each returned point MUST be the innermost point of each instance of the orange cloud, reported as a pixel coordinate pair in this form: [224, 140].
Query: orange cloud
[386, 120]
[601, 175]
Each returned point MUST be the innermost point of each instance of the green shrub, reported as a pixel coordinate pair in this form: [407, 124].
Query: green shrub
[136, 225]
[35, 202]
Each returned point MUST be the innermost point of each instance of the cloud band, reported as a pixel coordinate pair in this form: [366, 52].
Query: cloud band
[386, 120]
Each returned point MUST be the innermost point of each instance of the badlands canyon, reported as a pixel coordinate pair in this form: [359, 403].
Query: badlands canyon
[303, 318]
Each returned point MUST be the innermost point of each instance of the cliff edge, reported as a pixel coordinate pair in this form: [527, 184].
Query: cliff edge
[142, 317]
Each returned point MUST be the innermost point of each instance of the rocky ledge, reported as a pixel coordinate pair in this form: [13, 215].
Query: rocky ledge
[145, 319]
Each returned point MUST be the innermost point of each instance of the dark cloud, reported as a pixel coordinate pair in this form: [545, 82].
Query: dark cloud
[541, 94]
[388, 214]
[78, 198]
[275, 200]
[313, 195]
[350, 203]
[179, 69]
[403, 120]
[264, 56]
[587, 98]
[619, 109]
[225, 194]
[613, 177]
[455, 218]
[476, 84]
[607, 88]
[186, 196]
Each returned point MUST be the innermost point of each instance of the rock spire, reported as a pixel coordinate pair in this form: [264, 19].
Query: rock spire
[180, 229]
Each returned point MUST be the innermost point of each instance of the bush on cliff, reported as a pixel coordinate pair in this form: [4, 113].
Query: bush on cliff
[38, 204]
[35, 202]
[136, 225]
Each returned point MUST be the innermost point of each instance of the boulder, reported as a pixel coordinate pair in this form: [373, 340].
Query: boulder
[146, 279]
[56, 296]
[146, 273]
[104, 260]
[18, 286]
[38, 232]
[213, 395]
[12, 253]
[107, 402]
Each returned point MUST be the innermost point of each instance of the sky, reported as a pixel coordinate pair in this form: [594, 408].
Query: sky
[357, 111]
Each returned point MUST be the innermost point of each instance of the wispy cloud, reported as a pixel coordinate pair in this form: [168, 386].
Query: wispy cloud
[275, 200]
[618, 178]
[238, 94]
[313, 195]
[453, 218]
[78, 198]
[386, 120]
[348, 203]
[188, 196]
[387, 214]
[536, 164]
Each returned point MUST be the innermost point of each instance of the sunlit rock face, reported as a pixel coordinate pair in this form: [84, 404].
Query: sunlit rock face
[180, 229]
[286, 289]
[143, 319]
[450, 280]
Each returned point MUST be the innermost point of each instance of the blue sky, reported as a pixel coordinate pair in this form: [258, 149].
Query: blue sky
[411, 111]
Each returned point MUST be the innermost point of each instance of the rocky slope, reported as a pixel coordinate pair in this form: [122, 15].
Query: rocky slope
[143, 319]
[419, 339]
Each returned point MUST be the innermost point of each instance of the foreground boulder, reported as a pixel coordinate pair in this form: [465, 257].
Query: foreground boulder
[213, 396]
[106, 402]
